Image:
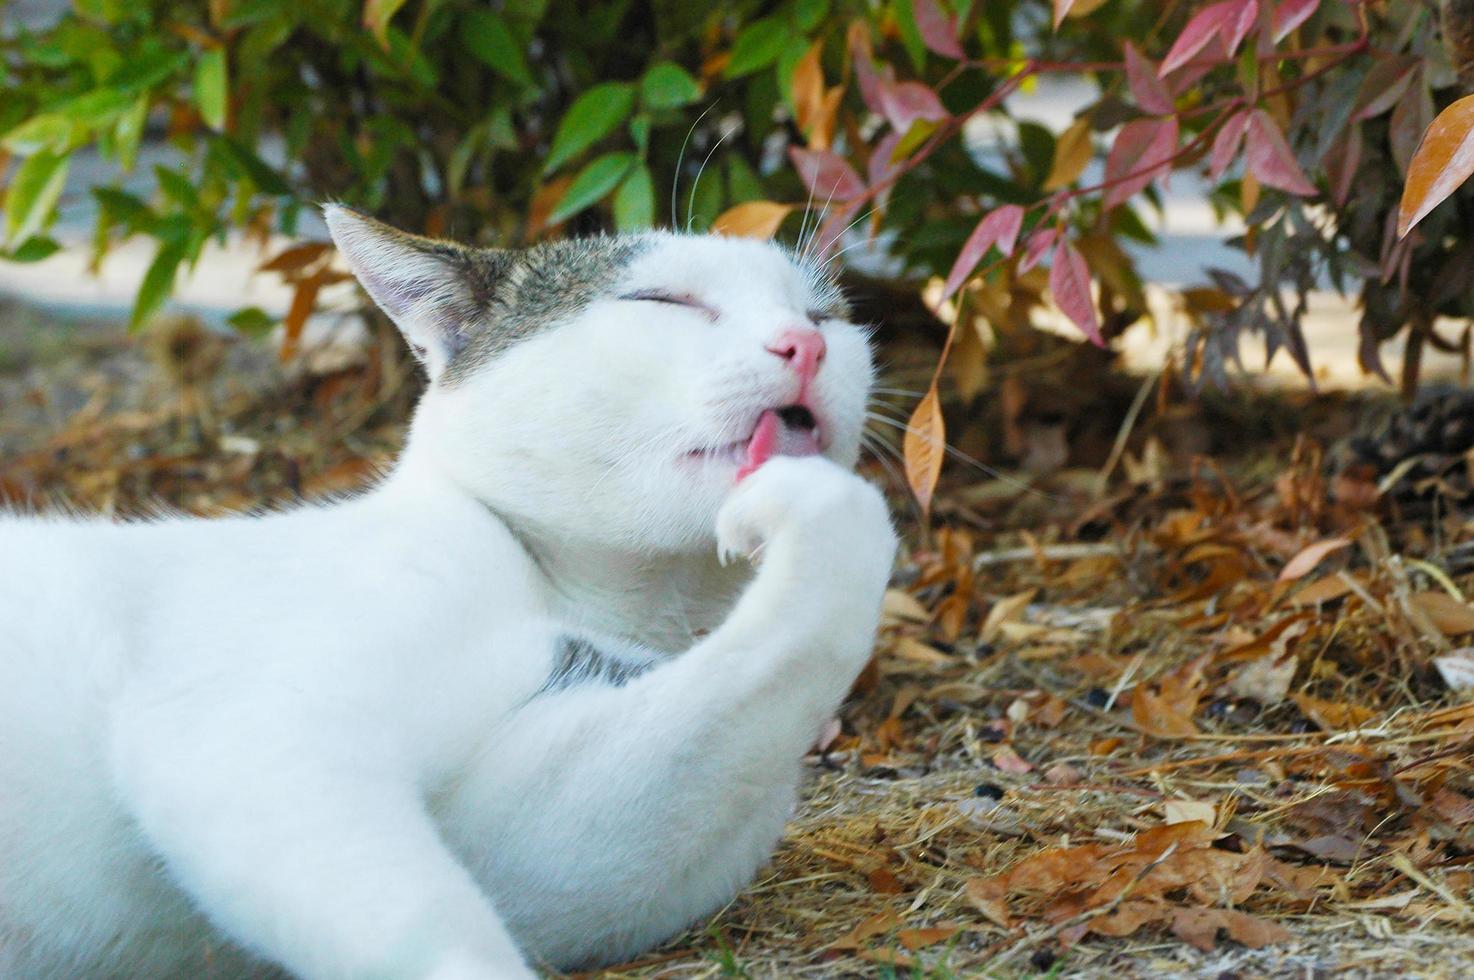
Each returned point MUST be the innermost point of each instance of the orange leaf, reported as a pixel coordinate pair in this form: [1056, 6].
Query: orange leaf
[1443, 161]
[544, 199]
[752, 219]
[923, 446]
[1304, 562]
[303, 300]
[295, 258]
[808, 88]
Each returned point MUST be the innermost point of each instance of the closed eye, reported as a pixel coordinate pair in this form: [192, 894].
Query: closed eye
[670, 299]
[817, 317]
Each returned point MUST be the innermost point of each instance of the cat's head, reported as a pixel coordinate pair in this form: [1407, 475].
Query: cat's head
[616, 388]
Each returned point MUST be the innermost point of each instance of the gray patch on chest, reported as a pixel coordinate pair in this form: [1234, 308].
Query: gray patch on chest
[577, 662]
[544, 286]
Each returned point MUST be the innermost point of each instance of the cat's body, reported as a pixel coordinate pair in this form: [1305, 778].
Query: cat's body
[507, 700]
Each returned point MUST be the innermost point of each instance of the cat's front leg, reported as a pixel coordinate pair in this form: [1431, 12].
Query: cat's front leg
[308, 846]
[610, 817]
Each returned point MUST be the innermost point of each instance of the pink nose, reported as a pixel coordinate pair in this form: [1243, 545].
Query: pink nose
[802, 349]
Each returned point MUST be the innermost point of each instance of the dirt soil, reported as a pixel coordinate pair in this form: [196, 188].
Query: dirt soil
[1171, 693]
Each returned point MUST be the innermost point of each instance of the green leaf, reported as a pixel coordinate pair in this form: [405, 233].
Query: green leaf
[33, 193]
[211, 87]
[376, 17]
[128, 132]
[640, 132]
[34, 249]
[486, 36]
[910, 34]
[668, 86]
[758, 46]
[808, 13]
[592, 183]
[252, 321]
[634, 202]
[158, 283]
[120, 206]
[146, 71]
[593, 115]
[252, 166]
[48, 131]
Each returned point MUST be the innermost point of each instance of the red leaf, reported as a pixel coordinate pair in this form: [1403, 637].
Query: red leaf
[866, 75]
[1270, 159]
[902, 103]
[1206, 24]
[1142, 152]
[881, 165]
[938, 28]
[1238, 27]
[832, 230]
[1041, 241]
[1290, 15]
[1442, 162]
[1226, 144]
[1342, 163]
[1069, 281]
[998, 227]
[1146, 87]
[827, 175]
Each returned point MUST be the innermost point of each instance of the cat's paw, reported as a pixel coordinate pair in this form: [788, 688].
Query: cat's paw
[812, 498]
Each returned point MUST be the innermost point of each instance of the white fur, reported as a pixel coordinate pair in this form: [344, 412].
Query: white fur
[314, 738]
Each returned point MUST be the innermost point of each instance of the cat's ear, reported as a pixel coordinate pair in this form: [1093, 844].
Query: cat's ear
[435, 292]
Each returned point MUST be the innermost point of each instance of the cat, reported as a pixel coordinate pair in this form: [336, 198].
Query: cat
[539, 698]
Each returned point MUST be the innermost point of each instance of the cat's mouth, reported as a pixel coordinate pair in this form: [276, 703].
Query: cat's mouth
[792, 430]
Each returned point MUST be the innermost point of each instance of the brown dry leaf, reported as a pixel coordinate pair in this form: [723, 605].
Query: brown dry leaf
[1304, 562]
[1266, 680]
[884, 881]
[914, 939]
[877, 925]
[1333, 716]
[923, 448]
[751, 219]
[1008, 760]
[1182, 811]
[902, 606]
[1322, 590]
[1004, 611]
[1168, 710]
[918, 652]
[1452, 617]
[988, 896]
[1200, 928]
[1128, 917]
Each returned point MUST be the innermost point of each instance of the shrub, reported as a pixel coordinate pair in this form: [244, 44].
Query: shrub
[522, 119]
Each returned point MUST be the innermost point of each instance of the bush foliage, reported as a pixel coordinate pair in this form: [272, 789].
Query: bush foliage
[526, 118]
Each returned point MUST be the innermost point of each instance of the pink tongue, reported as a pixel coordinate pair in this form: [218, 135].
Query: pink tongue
[773, 438]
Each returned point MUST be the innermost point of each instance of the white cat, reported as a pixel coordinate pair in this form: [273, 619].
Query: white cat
[507, 708]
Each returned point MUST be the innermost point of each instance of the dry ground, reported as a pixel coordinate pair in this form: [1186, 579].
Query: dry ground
[1111, 728]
